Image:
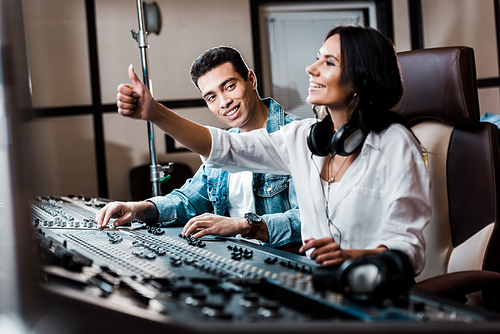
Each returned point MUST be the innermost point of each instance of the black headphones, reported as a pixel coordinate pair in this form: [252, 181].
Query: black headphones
[323, 140]
[372, 280]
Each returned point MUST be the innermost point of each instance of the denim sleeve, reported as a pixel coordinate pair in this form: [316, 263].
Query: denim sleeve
[284, 228]
[176, 208]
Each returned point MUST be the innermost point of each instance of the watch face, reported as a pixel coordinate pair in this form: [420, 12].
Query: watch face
[253, 218]
[255, 222]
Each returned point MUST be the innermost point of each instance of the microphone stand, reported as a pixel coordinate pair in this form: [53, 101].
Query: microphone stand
[157, 172]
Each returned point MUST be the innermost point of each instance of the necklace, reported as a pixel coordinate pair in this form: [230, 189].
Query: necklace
[332, 179]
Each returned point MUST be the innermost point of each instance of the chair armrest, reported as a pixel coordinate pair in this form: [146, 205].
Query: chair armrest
[457, 285]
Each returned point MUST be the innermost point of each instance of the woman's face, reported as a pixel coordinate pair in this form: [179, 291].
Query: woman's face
[325, 84]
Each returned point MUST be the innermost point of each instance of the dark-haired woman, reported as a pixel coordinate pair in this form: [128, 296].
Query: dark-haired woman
[373, 197]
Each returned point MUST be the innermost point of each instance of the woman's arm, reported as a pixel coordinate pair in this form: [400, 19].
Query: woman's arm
[135, 101]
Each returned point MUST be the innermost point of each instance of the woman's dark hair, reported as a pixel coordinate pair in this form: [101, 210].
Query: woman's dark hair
[370, 69]
[215, 57]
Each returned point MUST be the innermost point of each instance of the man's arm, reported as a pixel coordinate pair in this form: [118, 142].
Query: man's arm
[178, 206]
[184, 203]
[282, 228]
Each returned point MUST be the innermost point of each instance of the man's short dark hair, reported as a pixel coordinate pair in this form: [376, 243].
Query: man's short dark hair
[215, 57]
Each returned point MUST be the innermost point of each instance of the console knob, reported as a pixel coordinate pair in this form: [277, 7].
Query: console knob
[270, 310]
[197, 299]
[250, 299]
[214, 310]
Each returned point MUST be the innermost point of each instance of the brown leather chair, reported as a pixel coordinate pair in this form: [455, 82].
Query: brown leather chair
[440, 102]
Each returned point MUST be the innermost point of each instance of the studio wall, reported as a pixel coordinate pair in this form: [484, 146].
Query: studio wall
[56, 36]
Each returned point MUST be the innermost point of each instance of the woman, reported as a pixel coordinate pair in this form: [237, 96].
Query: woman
[357, 204]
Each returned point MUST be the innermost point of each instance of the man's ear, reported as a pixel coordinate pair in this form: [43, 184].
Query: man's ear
[252, 78]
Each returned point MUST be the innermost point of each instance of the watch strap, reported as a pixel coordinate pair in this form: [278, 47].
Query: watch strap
[255, 222]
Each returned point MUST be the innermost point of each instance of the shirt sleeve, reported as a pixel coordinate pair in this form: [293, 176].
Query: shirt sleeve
[284, 228]
[257, 151]
[176, 208]
[407, 200]
[260, 152]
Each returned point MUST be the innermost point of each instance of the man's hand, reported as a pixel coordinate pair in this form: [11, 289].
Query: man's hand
[134, 100]
[125, 212]
[210, 224]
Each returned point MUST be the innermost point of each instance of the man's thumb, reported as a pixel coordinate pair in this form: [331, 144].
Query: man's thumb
[133, 77]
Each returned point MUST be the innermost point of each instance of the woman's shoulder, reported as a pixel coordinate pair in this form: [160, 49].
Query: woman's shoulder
[289, 118]
[397, 131]
[398, 139]
[296, 131]
[393, 137]
[300, 124]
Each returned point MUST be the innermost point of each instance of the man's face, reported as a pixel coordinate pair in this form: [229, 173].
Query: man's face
[231, 98]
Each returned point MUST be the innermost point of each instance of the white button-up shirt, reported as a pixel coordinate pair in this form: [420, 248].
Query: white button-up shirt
[382, 199]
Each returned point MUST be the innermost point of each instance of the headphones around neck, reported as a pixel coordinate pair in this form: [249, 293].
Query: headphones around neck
[323, 140]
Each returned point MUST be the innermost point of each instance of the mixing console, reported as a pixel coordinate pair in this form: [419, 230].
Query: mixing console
[163, 275]
[65, 212]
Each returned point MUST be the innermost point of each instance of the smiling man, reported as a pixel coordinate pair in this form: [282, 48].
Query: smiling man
[215, 202]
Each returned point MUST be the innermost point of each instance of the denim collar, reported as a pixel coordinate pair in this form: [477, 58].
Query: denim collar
[275, 118]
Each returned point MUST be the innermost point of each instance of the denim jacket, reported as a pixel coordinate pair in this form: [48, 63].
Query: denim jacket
[207, 191]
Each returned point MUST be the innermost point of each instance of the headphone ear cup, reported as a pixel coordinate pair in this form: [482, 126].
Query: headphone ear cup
[399, 270]
[361, 278]
[370, 279]
[319, 138]
[347, 139]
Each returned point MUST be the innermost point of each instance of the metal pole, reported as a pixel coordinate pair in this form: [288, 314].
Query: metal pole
[142, 40]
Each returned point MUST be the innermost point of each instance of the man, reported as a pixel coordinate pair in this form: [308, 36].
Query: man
[215, 202]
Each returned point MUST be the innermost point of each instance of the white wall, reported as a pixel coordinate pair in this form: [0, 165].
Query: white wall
[402, 39]
[57, 41]
[470, 23]
[457, 22]
[63, 156]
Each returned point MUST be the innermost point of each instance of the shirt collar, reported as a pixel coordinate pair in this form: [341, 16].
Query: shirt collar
[373, 140]
[275, 118]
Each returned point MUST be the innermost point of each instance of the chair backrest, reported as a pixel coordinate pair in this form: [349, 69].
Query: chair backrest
[141, 187]
[440, 101]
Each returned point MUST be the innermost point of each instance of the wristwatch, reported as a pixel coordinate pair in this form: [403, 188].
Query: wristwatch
[255, 222]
